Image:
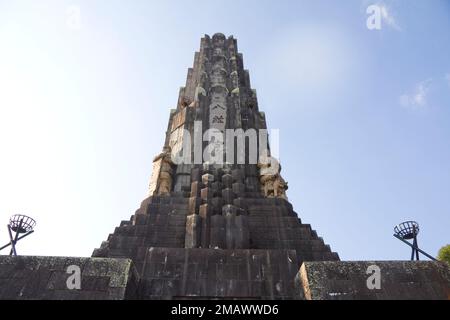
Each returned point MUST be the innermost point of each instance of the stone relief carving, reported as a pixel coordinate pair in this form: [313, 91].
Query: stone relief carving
[218, 39]
[218, 111]
[233, 63]
[218, 52]
[234, 79]
[218, 76]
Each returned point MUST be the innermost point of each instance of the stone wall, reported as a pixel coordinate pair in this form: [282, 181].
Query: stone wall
[180, 273]
[171, 273]
[399, 280]
[45, 278]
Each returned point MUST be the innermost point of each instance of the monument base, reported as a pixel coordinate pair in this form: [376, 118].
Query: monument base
[185, 274]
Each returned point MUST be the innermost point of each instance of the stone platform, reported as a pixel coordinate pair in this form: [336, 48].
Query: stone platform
[175, 273]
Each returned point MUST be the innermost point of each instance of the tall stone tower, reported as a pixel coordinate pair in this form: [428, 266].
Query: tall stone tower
[213, 228]
[217, 223]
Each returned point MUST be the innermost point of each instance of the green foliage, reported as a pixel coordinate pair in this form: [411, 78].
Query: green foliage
[444, 254]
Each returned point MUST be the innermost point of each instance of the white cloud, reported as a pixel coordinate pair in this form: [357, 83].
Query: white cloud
[418, 98]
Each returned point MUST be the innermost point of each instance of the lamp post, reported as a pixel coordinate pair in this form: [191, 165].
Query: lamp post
[19, 227]
[409, 230]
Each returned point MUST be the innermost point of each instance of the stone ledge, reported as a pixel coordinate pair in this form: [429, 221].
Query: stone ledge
[45, 278]
[399, 280]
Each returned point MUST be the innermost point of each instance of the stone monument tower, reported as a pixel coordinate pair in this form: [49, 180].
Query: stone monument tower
[217, 222]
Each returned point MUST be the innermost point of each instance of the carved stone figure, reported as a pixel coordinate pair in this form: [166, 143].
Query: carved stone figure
[280, 186]
[185, 102]
[267, 185]
[165, 175]
[272, 183]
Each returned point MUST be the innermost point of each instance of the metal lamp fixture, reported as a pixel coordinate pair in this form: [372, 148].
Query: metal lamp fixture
[19, 227]
[408, 231]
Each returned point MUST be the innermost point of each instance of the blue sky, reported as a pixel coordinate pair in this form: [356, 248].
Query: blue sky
[363, 114]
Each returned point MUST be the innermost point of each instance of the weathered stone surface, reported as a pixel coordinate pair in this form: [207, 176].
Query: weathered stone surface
[193, 231]
[171, 273]
[32, 277]
[347, 280]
